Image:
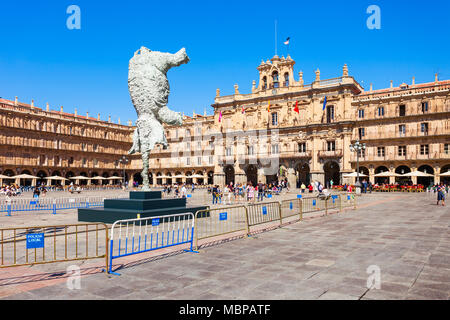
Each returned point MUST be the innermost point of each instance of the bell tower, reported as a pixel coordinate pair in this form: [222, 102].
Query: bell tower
[276, 73]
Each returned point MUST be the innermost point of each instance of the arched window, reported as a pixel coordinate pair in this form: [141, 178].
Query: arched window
[275, 79]
[264, 87]
[286, 79]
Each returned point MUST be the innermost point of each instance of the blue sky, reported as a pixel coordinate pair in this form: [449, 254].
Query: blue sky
[87, 69]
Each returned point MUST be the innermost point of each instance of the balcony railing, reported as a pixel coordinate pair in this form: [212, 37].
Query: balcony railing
[409, 156]
[391, 134]
[330, 154]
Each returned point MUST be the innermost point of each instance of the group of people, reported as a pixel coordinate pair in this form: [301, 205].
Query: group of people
[179, 190]
[441, 190]
[11, 190]
[247, 192]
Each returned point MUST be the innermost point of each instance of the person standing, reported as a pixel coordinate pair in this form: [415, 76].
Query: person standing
[441, 195]
[36, 194]
[260, 191]
[303, 187]
[183, 191]
[214, 194]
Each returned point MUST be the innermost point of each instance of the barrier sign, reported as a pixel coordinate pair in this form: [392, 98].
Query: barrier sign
[264, 210]
[299, 196]
[291, 206]
[155, 222]
[314, 202]
[35, 240]
[348, 197]
[223, 216]
[269, 196]
[189, 195]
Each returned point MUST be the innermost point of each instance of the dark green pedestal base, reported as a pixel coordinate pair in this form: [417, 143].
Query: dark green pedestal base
[141, 204]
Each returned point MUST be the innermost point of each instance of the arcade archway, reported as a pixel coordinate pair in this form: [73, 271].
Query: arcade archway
[426, 181]
[332, 172]
[252, 174]
[302, 174]
[229, 175]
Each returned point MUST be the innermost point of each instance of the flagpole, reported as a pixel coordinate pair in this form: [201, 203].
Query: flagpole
[275, 37]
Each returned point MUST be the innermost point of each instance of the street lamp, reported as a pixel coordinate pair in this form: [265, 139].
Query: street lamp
[124, 160]
[357, 147]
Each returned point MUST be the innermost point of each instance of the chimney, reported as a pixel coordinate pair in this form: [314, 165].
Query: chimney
[217, 92]
[109, 118]
[204, 112]
[118, 121]
[413, 81]
[61, 111]
[32, 103]
[47, 107]
[371, 87]
[98, 116]
[236, 89]
[87, 115]
[16, 101]
[130, 123]
[392, 84]
[436, 77]
[76, 112]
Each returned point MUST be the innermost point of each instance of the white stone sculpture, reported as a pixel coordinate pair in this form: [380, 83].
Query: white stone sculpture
[149, 91]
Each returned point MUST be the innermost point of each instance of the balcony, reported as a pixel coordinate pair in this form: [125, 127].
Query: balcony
[330, 154]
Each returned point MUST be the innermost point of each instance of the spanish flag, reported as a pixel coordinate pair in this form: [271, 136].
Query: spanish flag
[268, 107]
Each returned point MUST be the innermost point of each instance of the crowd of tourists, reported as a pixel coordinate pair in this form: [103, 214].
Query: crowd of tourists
[246, 192]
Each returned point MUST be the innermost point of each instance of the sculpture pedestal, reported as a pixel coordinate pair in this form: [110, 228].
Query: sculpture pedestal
[143, 203]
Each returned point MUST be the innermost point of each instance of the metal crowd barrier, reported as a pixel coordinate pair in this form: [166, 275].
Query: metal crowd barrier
[216, 222]
[50, 204]
[48, 244]
[348, 200]
[313, 204]
[134, 236]
[291, 208]
[263, 212]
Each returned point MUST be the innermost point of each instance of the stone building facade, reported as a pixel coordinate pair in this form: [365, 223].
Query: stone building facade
[405, 128]
[283, 129]
[43, 143]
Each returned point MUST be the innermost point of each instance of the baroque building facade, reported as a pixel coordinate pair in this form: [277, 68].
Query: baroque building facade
[405, 128]
[283, 129]
[47, 143]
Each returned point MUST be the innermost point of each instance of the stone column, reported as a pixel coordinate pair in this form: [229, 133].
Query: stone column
[131, 180]
[292, 178]
[261, 176]
[371, 174]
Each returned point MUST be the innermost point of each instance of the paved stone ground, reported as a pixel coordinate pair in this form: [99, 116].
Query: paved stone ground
[405, 235]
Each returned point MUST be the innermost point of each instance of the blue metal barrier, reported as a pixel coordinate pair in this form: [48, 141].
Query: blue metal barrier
[134, 236]
[50, 204]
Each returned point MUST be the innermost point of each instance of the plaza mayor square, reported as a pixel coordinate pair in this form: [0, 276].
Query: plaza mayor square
[225, 158]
